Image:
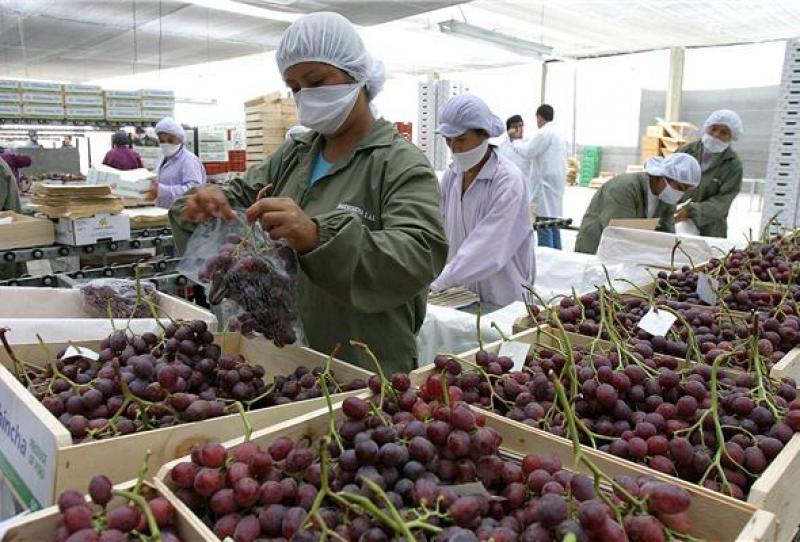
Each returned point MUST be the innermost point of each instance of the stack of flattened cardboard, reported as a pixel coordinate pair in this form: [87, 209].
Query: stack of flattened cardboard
[665, 138]
[267, 119]
[74, 200]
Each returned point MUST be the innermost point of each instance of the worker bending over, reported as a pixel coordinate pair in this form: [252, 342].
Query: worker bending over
[650, 194]
[485, 208]
[710, 202]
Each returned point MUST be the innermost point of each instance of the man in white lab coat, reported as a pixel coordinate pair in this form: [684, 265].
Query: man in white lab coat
[547, 153]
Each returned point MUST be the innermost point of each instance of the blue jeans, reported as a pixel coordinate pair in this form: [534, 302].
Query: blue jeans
[549, 237]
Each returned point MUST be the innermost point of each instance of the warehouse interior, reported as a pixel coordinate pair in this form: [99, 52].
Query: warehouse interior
[377, 270]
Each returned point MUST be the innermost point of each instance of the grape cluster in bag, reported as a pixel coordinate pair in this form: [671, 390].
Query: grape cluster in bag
[247, 271]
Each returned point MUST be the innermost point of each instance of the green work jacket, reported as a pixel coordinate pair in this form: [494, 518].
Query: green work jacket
[381, 240]
[624, 196]
[712, 199]
[9, 195]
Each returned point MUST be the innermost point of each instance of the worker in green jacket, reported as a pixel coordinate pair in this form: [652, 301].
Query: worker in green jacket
[710, 202]
[358, 203]
[650, 194]
[9, 195]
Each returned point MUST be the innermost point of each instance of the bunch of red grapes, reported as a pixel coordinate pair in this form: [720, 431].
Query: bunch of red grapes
[412, 459]
[148, 382]
[100, 520]
[649, 412]
[260, 277]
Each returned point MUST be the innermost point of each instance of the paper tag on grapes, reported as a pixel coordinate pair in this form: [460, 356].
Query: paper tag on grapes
[517, 351]
[707, 287]
[657, 323]
[74, 351]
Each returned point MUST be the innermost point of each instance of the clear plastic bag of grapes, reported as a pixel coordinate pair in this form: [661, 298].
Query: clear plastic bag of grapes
[117, 298]
[250, 277]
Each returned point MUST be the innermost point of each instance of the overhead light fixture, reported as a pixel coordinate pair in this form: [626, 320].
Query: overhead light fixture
[250, 10]
[516, 45]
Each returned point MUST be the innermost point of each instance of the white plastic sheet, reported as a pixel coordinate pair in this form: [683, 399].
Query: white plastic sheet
[655, 248]
[450, 331]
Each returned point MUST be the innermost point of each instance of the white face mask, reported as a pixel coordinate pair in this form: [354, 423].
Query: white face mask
[467, 160]
[669, 195]
[169, 149]
[324, 109]
[714, 145]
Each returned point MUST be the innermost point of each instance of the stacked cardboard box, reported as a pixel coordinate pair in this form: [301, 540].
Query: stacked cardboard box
[83, 102]
[157, 104]
[665, 138]
[10, 100]
[123, 105]
[42, 100]
[267, 118]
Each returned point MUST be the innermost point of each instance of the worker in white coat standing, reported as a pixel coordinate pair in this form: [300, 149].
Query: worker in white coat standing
[547, 153]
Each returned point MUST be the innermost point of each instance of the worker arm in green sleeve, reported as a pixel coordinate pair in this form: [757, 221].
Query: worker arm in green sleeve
[666, 222]
[9, 195]
[619, 201]
[716, 207]
[376, 270]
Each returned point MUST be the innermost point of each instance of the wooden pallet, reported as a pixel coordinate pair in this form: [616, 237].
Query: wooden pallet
[733, 520]
[69, 465]
[41, 526]
[772, 490]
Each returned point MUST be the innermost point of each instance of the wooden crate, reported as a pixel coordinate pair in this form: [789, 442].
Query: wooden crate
[41, 526]
[733, 520]
[650, 144]
[25, 231]
[769, 492]
[63, 465]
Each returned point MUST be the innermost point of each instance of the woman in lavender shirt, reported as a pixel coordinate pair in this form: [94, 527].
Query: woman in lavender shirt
[485, 208]
[178, 169]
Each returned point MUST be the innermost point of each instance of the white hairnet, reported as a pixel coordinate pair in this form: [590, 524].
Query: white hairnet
[728, 118]
[679, 167]
[330, 38]
[468, 112]
[167, 125]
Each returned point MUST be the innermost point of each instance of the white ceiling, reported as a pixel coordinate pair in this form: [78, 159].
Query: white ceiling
[81, 40]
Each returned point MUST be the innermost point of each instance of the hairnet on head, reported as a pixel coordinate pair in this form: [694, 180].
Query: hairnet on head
[728, 118]
[679, 167]
[167, 125]
[120, 139]
[468, 112]
[330, 38]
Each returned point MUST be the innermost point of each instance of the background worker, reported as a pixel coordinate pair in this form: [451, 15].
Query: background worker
[650, 194]
[547, 153]
[485, 208]
[710, 202]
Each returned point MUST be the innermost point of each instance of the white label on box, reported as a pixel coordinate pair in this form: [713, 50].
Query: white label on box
[85, 231]
[80, 352]
[41, 86]
[157, 93]
[158, 104]
[41, 97]
[707, 287]
[123, 94]
[9, 96]
[517, 351]
[83, 89]
[83, 99]
[10, 84]
[10, 110]
[657, 323]
[27, 448]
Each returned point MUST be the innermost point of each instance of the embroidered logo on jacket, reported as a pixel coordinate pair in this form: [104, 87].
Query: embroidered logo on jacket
[367, 215]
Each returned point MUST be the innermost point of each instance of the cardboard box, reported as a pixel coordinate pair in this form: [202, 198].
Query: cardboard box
[134, 183]
[213, 146]
[213, 156]
[655, 131]
[43, 111]
[123, 114]
[42, 98]
[85, 113]
[83, 99]
[9, 96]
[87, 231]
[157, 93]
[20, 231]
[123, 94]
[9, 84]
[650, 144]
[156, 114]
[83, 89]
[648, 224]
[41, 86]
[158, 104]
[10, 110]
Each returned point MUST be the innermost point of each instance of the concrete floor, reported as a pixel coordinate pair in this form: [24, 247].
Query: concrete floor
[743, 219]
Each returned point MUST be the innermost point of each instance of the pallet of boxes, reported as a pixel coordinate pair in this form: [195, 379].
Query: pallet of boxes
[267, 120]
[665, 138]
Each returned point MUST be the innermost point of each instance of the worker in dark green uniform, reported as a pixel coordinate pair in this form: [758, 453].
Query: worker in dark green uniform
[358, 203]
[710, 202]
[650, 194]
[9, 195]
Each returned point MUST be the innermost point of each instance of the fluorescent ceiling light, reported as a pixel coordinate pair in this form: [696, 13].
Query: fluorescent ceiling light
[250, 10]
[516, 45]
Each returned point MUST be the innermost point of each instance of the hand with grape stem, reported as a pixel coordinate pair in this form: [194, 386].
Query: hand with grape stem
[209, 201]
[282, 218]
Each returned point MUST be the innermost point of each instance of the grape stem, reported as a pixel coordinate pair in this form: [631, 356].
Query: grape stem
[248, 427]
[331, 418]
[478, 326]
[137, 489]
[141, 503]
[17, 364]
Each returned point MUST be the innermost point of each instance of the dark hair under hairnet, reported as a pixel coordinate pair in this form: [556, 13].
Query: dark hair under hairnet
[513, 119]
[120, 139]
[546, 112]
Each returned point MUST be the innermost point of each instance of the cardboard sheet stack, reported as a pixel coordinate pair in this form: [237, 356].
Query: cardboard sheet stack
[132, 185]
[74, 200]
[665, 138]
[267, 120]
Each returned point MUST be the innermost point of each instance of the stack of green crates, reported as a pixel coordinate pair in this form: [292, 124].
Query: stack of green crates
[590, 164]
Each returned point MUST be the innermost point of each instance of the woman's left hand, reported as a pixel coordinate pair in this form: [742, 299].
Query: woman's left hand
[282, 218]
